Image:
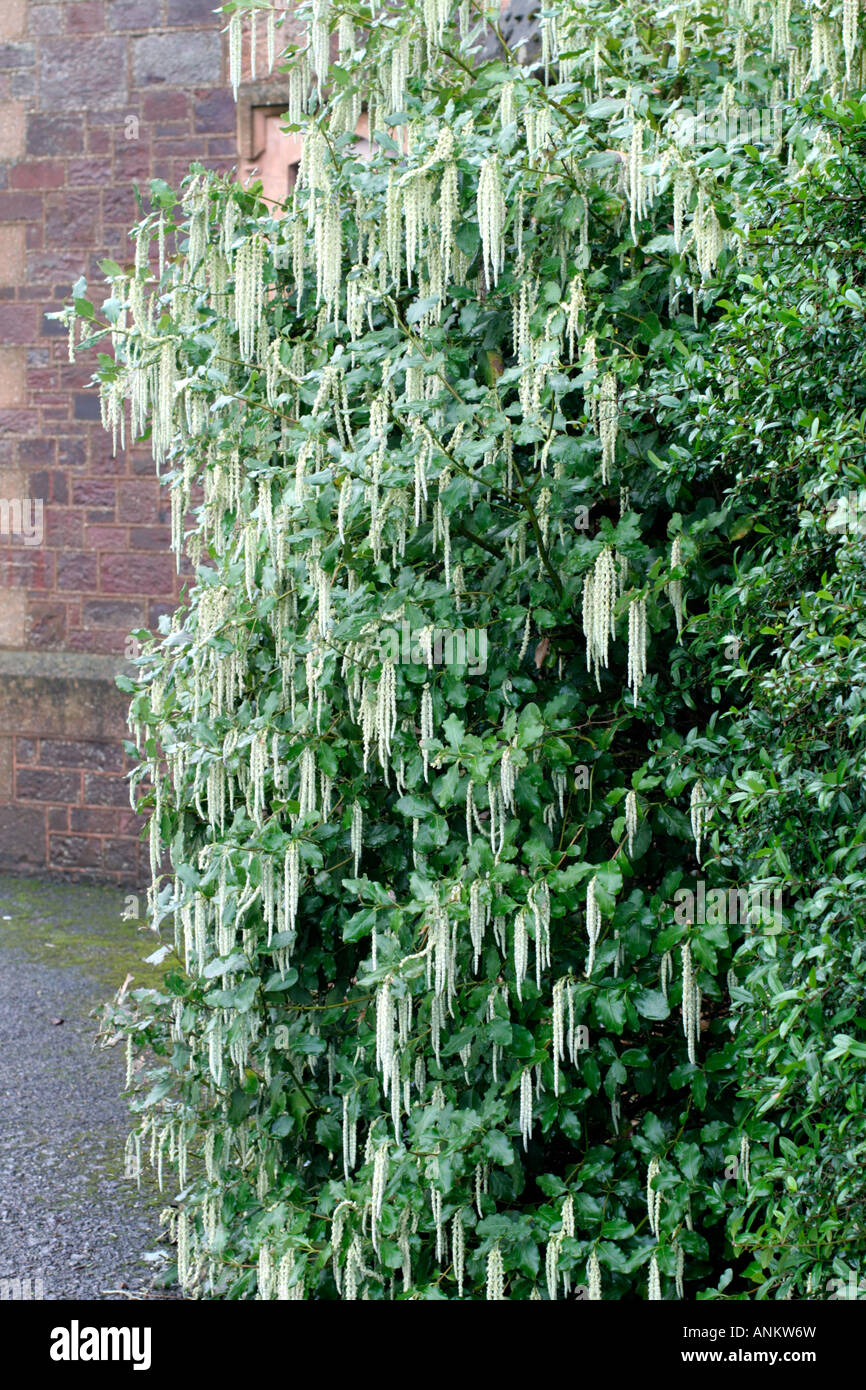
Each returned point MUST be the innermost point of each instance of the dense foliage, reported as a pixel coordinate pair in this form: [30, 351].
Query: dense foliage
[558, 373]
[784, 639]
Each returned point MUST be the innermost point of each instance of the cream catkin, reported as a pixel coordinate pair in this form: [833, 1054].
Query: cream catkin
[654, 1290]
[691, 1004]
[675, 586]
[698, 815]
[526, 1106]
[426, 727]
[458, 1249]
[631, 820]
[357, 835]
[653, 1196]
[495, 1275]
[249, 293]
[637, 645]
[593, 1278]
[599, 604]
[491, 217]
[558, 1038]
[745, 1156]
[235, 43]
[593, 924]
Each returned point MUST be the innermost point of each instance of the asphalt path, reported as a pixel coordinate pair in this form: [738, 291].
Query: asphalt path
[71, 1225]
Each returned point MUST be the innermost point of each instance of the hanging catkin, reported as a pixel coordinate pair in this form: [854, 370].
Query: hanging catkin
[697, 815]
[745, 1155]
[491, 217]
[637, 645]
[653, 1197]
[850, 18]
[691, 1004]
[654, 1290]
[495, 1275]
[235, 43]
[608, 424]
[249, 293]
[631, 820]
[675, 586]
[593, 924]
[599, 604]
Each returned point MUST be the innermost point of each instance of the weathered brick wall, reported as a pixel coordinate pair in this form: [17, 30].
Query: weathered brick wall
[95, 95]
[64, 801]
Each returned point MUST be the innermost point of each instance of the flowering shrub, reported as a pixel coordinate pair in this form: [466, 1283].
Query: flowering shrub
[433, 1030]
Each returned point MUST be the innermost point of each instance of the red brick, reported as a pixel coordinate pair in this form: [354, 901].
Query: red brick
[76, 570]
[104, 790]
[18, 421]
[86, 17]
[136, 574]
[71, 452]
[149, 538]
[188, 12]
[99, 141]
[104, 821]
[36, 451]
[165, 106]
[120, 856]
[104, 538]
[22, 838]
[138, 502]
[20, 207]
[40, 173]
[130, 14]
[93, 492]
[132, 160]
[83, 73]
[215, 113]
[119, 206]
[27, 568]
[44, 382]
[19, 323]
[40, 484]
[32, 784]
[101, 756]
[117, 613]
[64, 528]
[74, 852]
[50, 134]
[73, 218]
[103, 641]
[89, 170]
[156, 611]
[85, 406]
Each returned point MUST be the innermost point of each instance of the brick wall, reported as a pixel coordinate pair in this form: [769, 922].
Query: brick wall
[64, 799]
[95, 95]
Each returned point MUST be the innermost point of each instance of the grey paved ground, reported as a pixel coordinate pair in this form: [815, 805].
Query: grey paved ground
[67, 1215]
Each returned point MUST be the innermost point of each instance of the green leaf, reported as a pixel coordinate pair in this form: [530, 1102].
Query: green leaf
[651, 1003]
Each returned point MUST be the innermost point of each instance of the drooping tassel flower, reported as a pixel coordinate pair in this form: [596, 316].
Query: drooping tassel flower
[495, 1276]
[491, 217]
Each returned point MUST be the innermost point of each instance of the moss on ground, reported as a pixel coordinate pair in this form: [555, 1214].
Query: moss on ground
[73, 925]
